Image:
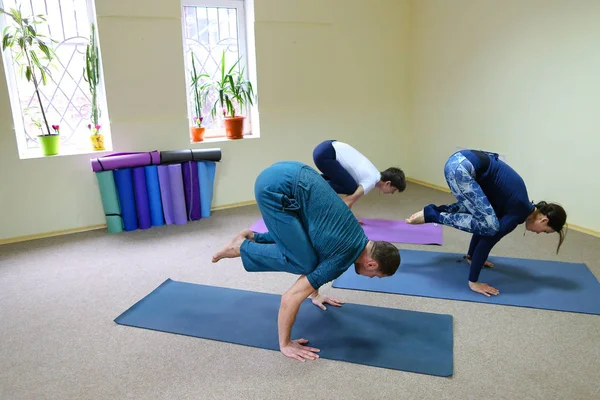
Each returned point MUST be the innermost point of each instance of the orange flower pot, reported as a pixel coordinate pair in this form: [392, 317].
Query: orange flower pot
[234, 127]
[197, 134]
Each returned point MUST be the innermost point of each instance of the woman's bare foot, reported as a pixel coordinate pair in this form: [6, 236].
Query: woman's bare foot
[232, 249]
[416, 218]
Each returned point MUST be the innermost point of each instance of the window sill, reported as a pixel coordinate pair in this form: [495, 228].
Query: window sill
[218, 139]
[64, 151]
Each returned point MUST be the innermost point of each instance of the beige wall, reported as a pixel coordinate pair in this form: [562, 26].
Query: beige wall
[326, 69]
[519, 77]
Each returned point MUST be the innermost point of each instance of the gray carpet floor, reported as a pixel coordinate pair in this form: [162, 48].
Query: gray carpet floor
[59, 296]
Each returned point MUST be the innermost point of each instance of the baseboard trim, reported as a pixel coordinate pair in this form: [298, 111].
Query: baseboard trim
[51, 234]
[43, 235]
[577, 228]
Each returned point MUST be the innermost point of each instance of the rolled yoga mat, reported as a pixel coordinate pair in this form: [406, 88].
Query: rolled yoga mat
[142, 204]
[179, 156]
[391, 231]
[549, 285]
[191, 186]
[165, 194]
[125, 160]
[154, 197]
[110, 201]
[206, 176]
[380, 337]
[124, 181]
[177, 194]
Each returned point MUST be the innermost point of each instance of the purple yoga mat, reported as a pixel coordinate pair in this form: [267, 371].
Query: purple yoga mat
[177, 194]
[164, 180]
[388, 230]
[142, 204]
[125, 160]
[192, 189]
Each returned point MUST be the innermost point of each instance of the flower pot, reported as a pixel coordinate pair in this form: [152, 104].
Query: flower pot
[50, 144]
[97, 142]
[234, 127]
[197, 133]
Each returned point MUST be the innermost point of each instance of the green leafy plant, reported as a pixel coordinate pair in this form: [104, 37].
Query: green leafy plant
[21, 36]
[91, 74]
[200, 90]
[232, 89]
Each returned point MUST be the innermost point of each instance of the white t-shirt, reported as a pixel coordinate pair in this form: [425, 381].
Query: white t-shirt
[362, 170]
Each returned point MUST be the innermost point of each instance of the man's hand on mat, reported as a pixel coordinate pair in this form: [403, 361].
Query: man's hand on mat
[483, 288]
[416, 218]
[296, 349]
[320, 300]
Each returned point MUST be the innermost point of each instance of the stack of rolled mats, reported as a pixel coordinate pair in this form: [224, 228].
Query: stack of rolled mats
[145, 189]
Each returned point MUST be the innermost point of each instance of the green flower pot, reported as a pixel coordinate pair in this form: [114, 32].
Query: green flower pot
[50, 144]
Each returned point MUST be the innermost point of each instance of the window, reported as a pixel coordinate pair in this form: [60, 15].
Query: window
[213, 29]
[66, 97]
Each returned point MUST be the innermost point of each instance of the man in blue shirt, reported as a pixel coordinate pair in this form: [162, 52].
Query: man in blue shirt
[312, 233]
[492, 202]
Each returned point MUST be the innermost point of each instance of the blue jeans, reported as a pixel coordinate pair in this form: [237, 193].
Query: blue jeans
[286, 246]
[473, 212]
[339, 179]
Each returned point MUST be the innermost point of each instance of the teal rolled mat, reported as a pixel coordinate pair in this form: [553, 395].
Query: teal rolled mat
[110, 201]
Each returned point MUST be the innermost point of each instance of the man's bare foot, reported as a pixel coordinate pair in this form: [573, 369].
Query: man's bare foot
[416, 218]
[248, 234]
[231, 250]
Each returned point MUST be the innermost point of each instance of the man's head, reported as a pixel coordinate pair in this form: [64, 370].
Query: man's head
[379, 259]
[392, 180]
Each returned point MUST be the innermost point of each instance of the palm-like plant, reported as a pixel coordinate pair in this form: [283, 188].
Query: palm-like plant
[91, 74]
[23, 37]
[199, 91]
[232, 89]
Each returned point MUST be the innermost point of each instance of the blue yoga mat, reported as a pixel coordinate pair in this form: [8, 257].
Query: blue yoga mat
[124, 181]
[549, 285]
[153, 187]
[142, 204]
[206, 176]
[381, 337]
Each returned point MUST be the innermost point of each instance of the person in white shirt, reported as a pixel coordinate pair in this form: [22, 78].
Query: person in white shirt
[350, 173]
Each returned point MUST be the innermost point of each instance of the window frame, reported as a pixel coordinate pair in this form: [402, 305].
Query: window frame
[17, 112]
[244, 37]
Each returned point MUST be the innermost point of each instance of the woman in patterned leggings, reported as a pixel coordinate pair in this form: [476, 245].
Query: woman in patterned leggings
[492, 202]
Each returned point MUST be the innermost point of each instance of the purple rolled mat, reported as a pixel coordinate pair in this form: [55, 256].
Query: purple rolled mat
[164, 180]
[192, 189]
[142, 204]
[125, 160]
[177, 194]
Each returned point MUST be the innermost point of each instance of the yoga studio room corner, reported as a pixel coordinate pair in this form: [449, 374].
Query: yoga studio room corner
[285, 199]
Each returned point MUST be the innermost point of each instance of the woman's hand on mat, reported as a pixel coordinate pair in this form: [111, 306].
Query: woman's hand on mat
[319, 301]
[483, 288]
[296, 349]
[485, 264]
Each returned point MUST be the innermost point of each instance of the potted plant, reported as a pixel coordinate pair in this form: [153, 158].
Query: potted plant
[232, 89]
[91, 74]
[23, 38]
[199, 92]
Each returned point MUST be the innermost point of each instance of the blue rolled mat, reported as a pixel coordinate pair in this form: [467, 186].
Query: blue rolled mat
[206, 176]
[191, 186]
[177, 194]
[154, 198]
[110, 201]
[124, 181]
[549, 285]
[165, 193]
[381, 337]
[142, 205]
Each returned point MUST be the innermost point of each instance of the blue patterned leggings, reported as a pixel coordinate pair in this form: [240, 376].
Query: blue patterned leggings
[473, 212]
